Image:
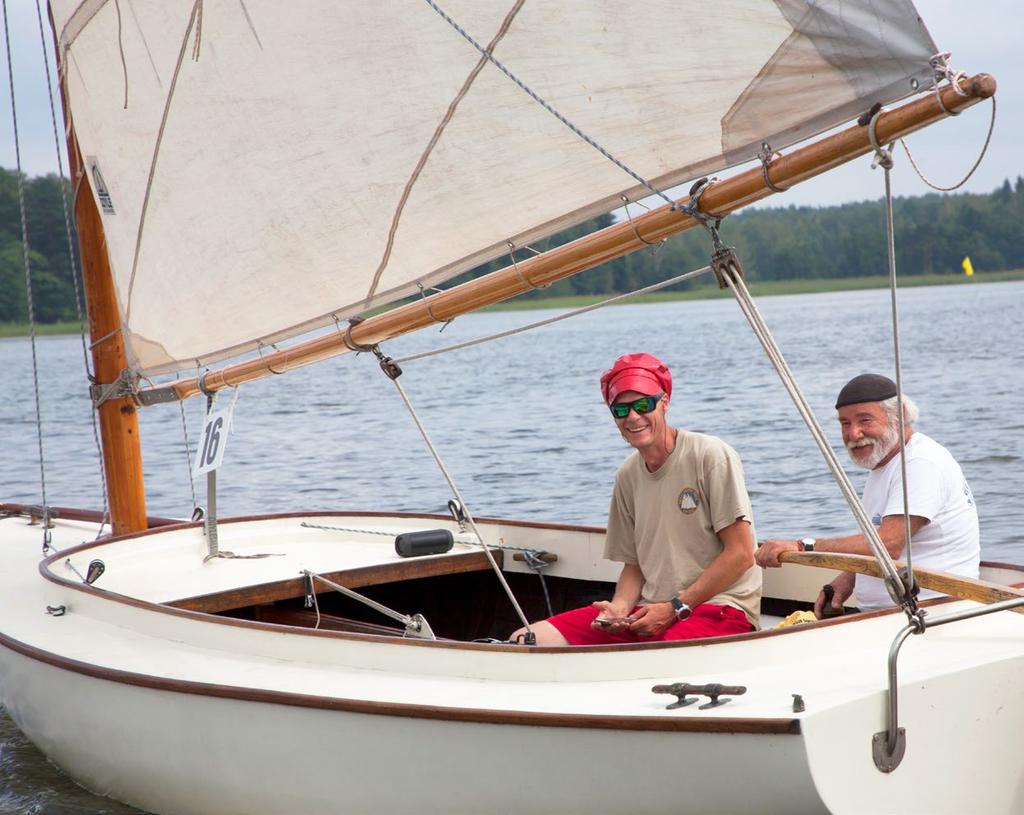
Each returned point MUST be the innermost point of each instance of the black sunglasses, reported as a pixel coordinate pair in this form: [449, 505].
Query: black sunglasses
[620, 410]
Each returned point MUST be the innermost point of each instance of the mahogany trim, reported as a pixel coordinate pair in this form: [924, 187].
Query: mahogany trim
[421, 643]
[411, 569]
[75, 514]
[688, 724]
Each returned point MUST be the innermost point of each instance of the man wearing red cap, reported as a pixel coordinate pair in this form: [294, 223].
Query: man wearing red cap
[680, 523]
[943, 519]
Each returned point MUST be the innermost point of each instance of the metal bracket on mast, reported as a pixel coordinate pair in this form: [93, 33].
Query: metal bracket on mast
[125, 386]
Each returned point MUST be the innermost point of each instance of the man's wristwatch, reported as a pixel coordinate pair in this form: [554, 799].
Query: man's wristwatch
[807, 544]
[682, 610]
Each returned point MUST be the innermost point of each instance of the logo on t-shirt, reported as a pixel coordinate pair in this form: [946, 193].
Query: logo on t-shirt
[877, 520]
[968, 494]
[689, 501]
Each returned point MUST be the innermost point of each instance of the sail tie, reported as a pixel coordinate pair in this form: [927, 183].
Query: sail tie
[942, 70]
[259, 350]
[655, 245]
[524, 278]
[766, 156]
[430, 310]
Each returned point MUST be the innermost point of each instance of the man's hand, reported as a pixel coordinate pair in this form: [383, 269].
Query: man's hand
[842, 588]
[653, 619]
[609, 610]
[768, 551]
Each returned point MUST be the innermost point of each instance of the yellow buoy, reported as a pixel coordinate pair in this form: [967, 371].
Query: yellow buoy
[968, 268]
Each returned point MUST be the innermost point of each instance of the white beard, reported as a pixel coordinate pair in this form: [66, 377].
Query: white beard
[880, 448]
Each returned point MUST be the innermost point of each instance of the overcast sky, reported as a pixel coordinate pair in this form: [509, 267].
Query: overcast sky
[983, 36]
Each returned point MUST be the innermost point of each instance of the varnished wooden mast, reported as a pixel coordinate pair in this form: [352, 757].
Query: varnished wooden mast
[119, 420]
[615, 241]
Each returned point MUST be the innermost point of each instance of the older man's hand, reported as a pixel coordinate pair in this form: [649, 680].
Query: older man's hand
[768, 551]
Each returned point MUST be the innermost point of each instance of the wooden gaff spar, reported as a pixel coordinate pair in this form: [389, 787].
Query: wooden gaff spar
[601, 247]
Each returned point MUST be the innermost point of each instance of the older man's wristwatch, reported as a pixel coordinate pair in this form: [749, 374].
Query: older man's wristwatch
[807, 544]
[682, 610]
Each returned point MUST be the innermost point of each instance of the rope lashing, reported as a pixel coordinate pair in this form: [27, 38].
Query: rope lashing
[942, 70]
[765, 156]
[259, 350]
[430, 310]
[524, 278]
[655, 245]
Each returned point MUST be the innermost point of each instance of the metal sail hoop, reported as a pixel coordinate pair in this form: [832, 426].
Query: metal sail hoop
[600, 247]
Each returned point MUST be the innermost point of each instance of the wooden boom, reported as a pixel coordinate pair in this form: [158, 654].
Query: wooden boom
[966, 588]
[600, 247]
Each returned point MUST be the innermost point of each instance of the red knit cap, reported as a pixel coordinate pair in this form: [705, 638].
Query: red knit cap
[641, 373]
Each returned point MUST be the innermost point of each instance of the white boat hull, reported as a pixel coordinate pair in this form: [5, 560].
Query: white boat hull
[177, 712]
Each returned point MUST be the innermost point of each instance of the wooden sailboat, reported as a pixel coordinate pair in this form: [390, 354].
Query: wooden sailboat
[270, 157]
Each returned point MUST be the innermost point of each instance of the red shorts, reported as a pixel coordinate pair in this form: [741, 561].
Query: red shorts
[707, 620]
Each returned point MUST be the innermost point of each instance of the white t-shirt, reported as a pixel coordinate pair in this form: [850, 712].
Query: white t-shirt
[938, 491]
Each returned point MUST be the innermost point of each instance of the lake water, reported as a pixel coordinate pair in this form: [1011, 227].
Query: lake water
[521, 427]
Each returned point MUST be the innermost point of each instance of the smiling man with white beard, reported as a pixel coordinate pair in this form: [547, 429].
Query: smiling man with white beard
[943, 517]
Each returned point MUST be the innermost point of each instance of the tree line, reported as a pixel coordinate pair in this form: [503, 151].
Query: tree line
[933, 234]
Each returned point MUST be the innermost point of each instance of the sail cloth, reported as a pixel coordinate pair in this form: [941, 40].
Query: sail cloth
[262, 167]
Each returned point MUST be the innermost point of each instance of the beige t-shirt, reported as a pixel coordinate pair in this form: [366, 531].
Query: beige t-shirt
[667, 522]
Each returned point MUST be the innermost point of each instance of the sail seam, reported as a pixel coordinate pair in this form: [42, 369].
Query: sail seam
[196, 10]
[449, 114]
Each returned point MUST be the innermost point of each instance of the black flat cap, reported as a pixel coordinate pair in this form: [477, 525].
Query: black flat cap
[866, 388]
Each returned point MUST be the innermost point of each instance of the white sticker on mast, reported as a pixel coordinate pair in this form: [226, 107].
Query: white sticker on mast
[214, 439]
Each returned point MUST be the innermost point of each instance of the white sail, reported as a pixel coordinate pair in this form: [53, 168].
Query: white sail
[264, 167]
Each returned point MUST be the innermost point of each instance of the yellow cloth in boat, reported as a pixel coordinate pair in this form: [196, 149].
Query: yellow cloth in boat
[798, 618]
